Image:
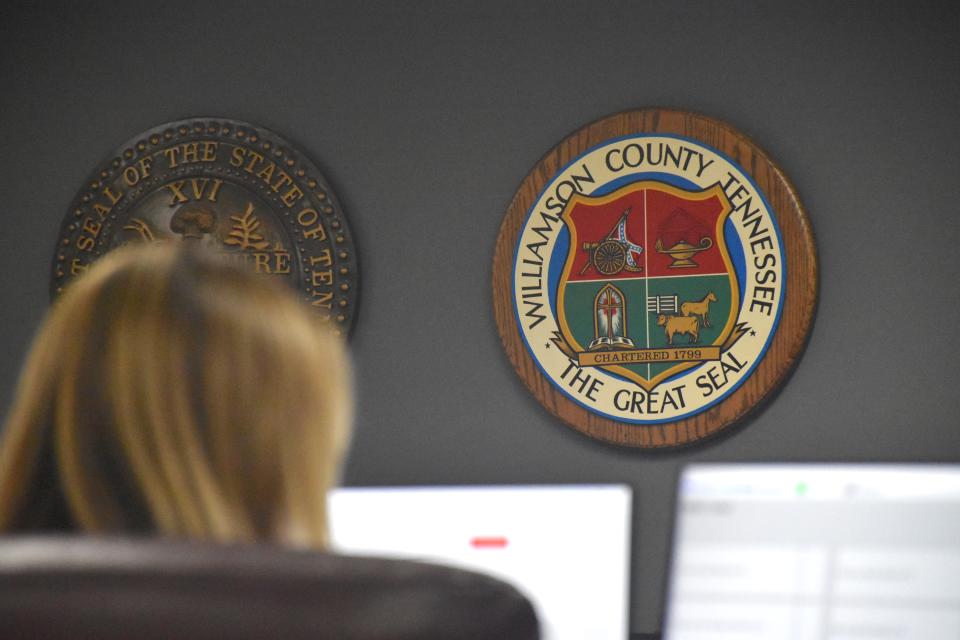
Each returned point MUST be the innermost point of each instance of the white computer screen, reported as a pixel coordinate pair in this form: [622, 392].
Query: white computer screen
[567, 548]
[816, 552]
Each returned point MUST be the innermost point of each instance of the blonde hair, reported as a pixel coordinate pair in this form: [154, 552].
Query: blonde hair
[170, 392]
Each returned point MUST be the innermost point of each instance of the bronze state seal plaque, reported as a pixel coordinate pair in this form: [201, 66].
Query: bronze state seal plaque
[235, 188]
[655, 278]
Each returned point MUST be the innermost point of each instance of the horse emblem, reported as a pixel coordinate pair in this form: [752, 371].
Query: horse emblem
[616, 295]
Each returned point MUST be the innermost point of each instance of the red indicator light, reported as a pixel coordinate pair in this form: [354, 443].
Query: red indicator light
[488, 542]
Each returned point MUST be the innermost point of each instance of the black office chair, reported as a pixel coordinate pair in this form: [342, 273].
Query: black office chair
[72, 587]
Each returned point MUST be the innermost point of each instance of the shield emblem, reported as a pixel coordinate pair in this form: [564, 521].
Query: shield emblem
[648, 271]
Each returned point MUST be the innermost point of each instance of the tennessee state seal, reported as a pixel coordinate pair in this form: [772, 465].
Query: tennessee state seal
[238, 190]
[649, 289]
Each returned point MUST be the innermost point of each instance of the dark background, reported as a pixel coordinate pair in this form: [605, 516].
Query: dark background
[425, 118]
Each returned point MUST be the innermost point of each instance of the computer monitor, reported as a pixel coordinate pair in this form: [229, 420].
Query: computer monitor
[804, 552]
[567, 548]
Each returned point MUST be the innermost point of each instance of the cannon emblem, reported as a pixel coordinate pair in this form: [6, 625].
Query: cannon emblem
[615, 252]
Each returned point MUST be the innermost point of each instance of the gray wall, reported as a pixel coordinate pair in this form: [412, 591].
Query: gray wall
[426, 116]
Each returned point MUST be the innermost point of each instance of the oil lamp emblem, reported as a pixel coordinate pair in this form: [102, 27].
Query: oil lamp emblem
[684, 236]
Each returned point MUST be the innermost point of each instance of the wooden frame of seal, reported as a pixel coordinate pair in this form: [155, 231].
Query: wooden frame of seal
[797, 313]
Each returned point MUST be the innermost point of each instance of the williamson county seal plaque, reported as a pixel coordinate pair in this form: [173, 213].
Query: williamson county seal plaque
[233, 188]
[655, 278]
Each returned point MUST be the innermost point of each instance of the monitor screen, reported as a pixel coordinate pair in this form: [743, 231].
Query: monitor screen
[804, 552]
[567, 548]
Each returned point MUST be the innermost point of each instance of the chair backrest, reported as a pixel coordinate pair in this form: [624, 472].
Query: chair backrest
[73, 587]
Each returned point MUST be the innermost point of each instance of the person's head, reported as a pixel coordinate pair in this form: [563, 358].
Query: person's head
[169, 392]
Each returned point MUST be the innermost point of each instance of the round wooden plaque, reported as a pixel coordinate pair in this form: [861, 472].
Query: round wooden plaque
[654, 278]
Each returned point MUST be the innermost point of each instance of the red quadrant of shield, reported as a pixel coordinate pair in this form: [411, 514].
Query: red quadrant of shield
[654, 214]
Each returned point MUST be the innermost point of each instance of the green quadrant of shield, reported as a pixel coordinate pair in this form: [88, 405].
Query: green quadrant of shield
[642, 326]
